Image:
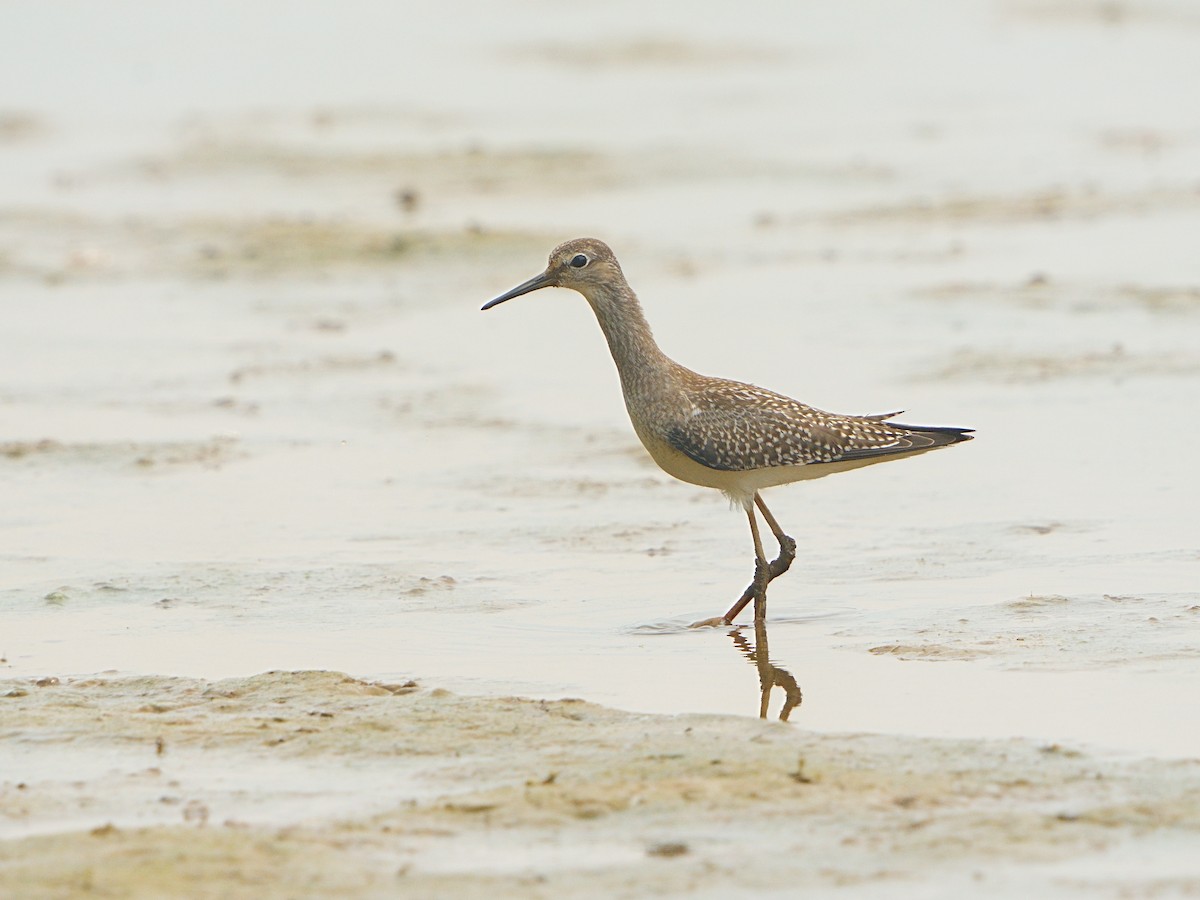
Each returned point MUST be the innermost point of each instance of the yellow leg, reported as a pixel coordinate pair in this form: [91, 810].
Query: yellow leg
[787, 546]
[764, 572]
[757, 591]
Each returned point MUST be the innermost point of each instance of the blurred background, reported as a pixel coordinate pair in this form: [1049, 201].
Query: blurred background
[252, 418]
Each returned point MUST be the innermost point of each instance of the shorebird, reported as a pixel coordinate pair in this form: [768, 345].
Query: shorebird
[735, 437]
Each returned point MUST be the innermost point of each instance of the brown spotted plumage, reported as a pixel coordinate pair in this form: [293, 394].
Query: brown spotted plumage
[723, 434]
[735, 427]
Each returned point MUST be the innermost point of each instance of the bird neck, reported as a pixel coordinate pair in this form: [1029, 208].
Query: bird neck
[640, 363]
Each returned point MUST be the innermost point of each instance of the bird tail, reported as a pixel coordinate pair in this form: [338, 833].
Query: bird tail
[940, 434]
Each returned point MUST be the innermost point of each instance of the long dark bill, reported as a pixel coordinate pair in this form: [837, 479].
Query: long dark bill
[537, 281]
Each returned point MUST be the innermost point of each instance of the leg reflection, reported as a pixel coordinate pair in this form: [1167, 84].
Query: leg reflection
[769, 676]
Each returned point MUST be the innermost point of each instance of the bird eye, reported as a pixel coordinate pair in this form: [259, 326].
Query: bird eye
[578, 261]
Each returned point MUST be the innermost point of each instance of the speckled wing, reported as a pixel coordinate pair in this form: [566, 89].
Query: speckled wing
[735, 427]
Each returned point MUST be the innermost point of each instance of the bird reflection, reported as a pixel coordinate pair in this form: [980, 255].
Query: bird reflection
[769, 676]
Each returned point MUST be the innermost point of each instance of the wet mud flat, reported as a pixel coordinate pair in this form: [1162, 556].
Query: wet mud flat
[254, 422]
[292, 784]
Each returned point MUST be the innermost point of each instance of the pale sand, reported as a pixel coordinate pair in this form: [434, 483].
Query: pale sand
[157, 786]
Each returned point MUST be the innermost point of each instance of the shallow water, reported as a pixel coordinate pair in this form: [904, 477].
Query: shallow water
[255, 420]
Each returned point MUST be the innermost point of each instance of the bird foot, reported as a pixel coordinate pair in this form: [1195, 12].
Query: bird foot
[787, 555]
[756, 591]
[758, 588]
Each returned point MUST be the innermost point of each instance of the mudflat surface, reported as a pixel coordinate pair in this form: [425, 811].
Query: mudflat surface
[314, 783]
[255, 430]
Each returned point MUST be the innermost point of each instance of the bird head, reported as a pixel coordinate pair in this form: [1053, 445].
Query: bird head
[583, 265]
